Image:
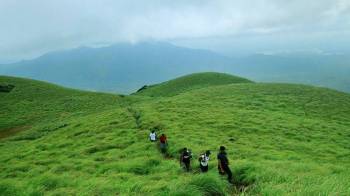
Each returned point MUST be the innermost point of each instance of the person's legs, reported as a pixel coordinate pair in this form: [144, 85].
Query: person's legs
[204, 168]
[163, 147]
[229, 174]
[187, 165]
[220, 172]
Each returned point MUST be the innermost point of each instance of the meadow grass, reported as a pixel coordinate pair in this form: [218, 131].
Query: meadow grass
[281, 140]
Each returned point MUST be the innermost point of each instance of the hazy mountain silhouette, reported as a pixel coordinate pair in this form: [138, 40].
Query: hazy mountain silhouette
[120, 67]
[125, 67]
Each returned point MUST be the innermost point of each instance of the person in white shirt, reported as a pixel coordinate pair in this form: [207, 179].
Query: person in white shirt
[153, 136]
[204, 160]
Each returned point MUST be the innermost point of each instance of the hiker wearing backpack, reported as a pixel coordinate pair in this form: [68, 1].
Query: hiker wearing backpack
[153, 136]
[163, 143]
[204, 160]
[223, 164]
[185, 159]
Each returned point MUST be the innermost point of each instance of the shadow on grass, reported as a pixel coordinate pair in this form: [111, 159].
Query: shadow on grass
[12, 131]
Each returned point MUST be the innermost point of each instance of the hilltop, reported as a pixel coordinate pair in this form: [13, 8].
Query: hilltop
[281, 138]
[190, 82]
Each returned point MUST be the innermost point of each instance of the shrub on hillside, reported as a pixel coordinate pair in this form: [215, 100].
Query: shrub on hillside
[6, 88]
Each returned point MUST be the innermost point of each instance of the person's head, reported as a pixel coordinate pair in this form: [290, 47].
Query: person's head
[222, 148]
[153, 131]
[163, 134]
[207, 152]
[185, 149]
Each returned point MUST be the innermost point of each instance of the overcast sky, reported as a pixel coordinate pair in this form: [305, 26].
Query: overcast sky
[31, 27]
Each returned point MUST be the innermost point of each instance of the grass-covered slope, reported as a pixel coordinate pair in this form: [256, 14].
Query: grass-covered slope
[30, 102]
[81, 143]
[191, 82]
[281, 139]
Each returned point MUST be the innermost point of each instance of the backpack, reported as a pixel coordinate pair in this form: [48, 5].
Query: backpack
[203, 160]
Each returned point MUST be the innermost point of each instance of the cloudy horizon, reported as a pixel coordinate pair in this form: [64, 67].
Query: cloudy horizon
[33, 27]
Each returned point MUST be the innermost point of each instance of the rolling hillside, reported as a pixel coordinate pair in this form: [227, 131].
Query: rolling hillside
[281, 138]
[190, 82]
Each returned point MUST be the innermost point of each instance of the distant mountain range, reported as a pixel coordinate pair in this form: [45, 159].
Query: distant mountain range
[126, 67]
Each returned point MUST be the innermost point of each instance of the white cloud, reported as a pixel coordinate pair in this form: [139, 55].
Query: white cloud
[35, 26]
[340, 7]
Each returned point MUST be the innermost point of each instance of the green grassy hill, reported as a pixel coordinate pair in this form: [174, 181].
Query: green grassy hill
[281, 139]
[191, 82]
[32, 102]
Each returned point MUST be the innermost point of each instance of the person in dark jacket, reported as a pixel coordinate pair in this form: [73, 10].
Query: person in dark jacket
[223, 164]
[185, 159]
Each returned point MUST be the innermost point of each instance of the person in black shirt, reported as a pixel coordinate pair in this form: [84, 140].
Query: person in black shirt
[185, 158]
[223, 164]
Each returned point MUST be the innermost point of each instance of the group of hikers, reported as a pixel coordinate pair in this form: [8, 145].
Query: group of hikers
[186, 156]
